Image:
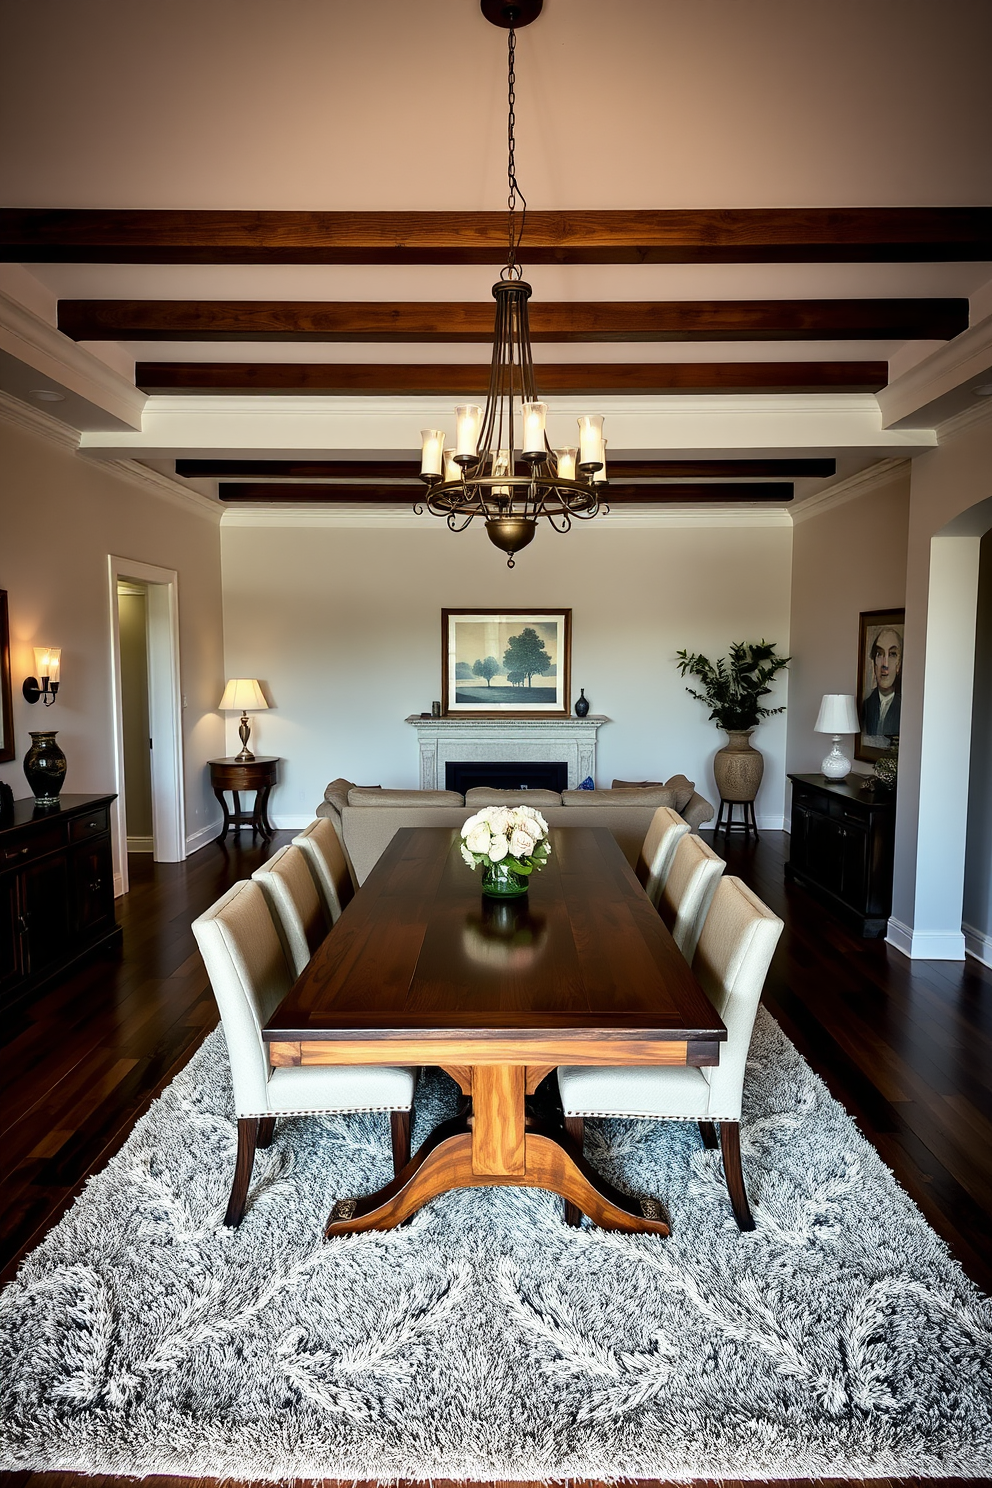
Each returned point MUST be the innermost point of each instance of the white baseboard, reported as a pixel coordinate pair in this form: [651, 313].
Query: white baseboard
[118, 886]
[765, 824]
[977, 944]
[291, 823]
[202, 836]
[141, 844]
[925, 945]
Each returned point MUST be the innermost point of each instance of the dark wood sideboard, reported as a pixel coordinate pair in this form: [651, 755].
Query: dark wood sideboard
[56, 888]
[841, 850]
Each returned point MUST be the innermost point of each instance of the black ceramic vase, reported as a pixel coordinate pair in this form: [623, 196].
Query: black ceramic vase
[581, 704]
[45, 767]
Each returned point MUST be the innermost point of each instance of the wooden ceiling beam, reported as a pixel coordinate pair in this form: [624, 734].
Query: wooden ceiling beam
[427, 321]
[739, 235]
[269, 492]
[397, 379]
[620, 469]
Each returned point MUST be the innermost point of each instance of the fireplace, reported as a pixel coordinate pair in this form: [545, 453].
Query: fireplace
[482, 745]
[465, 775]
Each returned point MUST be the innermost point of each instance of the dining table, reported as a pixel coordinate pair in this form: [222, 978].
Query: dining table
[422, 969]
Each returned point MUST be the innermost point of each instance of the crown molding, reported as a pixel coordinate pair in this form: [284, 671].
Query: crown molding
[52, 431]
[34, 421]
[978, 412]
[883, 473]
[32, 341]
[930, 389]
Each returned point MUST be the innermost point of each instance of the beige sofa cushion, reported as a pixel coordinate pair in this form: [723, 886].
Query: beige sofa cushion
[683, 788]
[653, 796]
[484, 795]
[365, 795]
[336, 794]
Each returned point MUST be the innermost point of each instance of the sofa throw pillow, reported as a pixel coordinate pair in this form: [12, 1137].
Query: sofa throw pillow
[684, 789]
[486, 795]
[366, 795]
[638, 796]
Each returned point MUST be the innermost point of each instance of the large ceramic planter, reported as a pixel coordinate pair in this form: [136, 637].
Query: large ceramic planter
[738, 767]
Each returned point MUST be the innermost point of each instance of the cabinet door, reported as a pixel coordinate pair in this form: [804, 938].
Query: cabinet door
[10, 934]
[93, 887]
[855, 890]
[44, 912]
[826, 852]
[799, 843]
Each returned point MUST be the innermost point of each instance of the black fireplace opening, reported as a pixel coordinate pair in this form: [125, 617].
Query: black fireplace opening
[465, 775]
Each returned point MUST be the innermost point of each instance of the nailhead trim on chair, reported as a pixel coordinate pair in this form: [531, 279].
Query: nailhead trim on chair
[316, 1111]
[651, 1116]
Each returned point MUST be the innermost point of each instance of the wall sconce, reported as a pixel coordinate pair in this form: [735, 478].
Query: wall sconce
[47, 660]
[243, 694]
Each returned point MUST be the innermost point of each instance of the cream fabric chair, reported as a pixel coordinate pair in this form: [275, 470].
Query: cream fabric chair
[731, 961]
[294, 904]
[688, 893]
[660, 841]
[250, 976]
[332, 874]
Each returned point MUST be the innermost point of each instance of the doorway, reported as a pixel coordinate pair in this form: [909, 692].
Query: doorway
[150, 813]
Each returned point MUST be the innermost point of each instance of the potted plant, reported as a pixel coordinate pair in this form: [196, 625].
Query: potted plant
[732, 690]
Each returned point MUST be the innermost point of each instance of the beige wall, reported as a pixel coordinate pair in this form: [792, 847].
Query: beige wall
[60, 518]
[846, 558]
[343, 626]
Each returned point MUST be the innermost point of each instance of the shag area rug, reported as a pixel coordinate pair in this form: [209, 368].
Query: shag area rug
[485, 1339]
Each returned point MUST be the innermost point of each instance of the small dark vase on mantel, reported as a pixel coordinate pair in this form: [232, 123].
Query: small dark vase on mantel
[581, 704]
[45, 767]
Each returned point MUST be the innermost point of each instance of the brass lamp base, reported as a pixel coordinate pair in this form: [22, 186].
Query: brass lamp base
[244, 731]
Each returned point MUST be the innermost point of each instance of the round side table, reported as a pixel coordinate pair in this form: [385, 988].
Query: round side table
[236, 775]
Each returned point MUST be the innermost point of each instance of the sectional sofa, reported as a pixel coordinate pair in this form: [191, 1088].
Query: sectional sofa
[367, 817]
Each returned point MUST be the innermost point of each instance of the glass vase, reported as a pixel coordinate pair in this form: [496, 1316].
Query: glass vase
[500, 881]
[44, 768]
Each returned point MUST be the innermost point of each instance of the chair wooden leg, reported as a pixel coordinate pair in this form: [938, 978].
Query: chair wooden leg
[247, 1136]
[576, 1127]
[708, 1133]
[266, 1131]
[399, 1131]
[730, 1146]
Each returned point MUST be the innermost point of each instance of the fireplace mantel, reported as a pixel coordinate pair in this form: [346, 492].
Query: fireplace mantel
[571, 740]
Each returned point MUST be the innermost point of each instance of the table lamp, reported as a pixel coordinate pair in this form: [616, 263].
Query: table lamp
[838, 715]
[244, 693]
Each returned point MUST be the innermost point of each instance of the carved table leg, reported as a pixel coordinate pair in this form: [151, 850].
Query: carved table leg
[262, 810]
[227, 815]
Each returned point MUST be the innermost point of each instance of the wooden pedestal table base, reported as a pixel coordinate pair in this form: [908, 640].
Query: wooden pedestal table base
[499, 1151]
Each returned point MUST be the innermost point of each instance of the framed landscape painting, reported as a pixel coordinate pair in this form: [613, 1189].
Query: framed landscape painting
[506, 663]
[880, 639]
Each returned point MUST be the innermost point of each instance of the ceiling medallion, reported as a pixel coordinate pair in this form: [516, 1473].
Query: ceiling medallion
[502, 467]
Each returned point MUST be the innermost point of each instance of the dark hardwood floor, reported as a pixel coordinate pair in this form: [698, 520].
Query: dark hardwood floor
[905, 1046]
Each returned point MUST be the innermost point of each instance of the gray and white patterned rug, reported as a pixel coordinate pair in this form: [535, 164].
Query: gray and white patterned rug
[486, 1339]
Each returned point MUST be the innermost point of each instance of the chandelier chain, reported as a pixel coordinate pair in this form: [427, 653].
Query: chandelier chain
[514, 194]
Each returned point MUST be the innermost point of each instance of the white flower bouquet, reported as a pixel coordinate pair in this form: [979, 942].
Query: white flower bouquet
[512, 838]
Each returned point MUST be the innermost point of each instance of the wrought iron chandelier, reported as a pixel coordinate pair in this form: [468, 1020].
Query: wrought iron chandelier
[502, 467]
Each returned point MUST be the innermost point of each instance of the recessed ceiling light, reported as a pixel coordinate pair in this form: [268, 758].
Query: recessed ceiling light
[984, 391]
[47, 395]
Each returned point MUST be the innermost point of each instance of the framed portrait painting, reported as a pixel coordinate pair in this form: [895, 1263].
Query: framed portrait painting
[6, 710]
[506, 663]
[880, 643]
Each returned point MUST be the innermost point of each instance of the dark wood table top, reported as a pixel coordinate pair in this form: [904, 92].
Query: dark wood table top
[584, 955]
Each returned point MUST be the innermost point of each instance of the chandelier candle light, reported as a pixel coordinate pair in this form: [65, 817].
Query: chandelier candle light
[502, 467]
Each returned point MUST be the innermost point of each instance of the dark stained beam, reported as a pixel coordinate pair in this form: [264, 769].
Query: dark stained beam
[620, 469]
[375, 495]
[392, 379]
[606, 320]
[763, 235]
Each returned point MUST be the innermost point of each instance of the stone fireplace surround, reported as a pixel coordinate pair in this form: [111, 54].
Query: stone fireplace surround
[572, 741]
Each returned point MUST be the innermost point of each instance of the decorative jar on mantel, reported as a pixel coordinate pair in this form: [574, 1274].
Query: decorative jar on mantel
[738, 767]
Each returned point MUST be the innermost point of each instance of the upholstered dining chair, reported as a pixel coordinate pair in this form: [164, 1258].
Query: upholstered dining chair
[321, 845]
[250, 976]
[731, 961]
[294, 904]
[688, 893]
[660, 841]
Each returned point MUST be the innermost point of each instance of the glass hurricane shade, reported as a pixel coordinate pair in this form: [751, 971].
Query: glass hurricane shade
[838, 715]
[47, 662]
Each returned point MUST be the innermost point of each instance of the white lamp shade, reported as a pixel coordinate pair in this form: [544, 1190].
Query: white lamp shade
[838, 714]
[243, 695]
